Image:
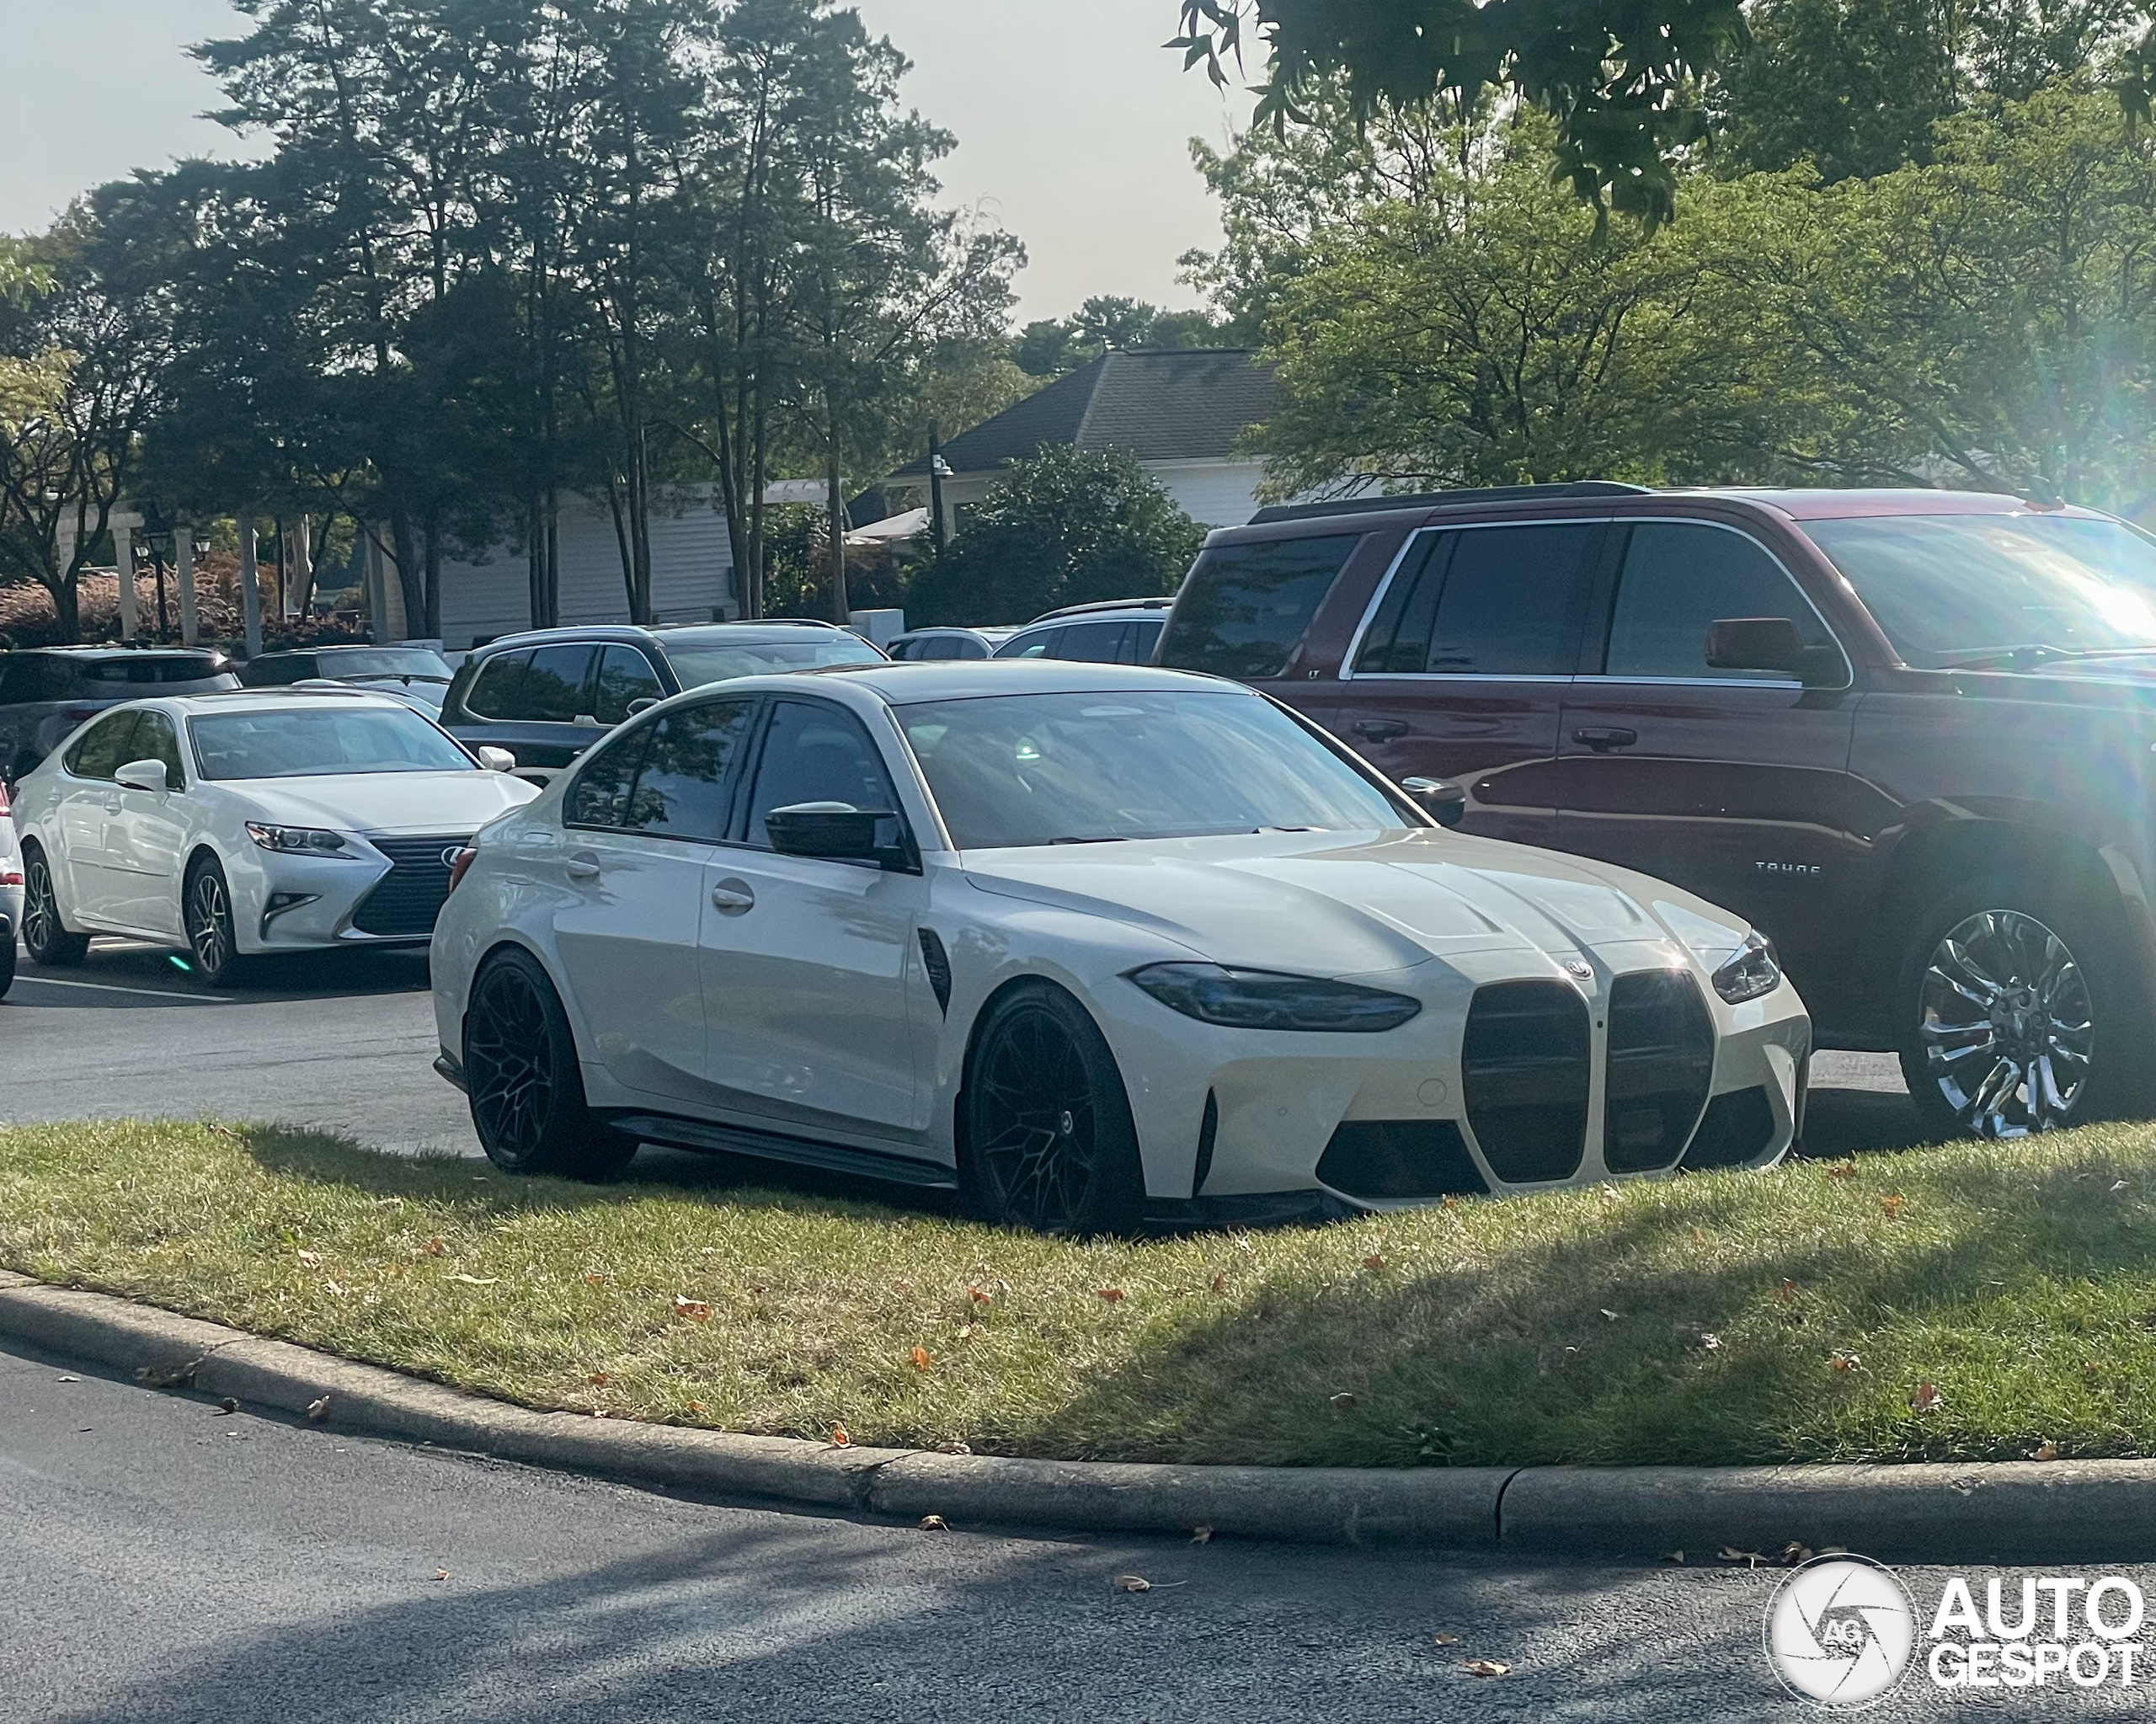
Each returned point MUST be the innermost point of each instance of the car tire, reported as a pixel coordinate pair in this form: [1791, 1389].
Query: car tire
[45, 936]
[6, 964]
[2020, 1012]
[206, 912]
[1049, 1142]
[524, 1080]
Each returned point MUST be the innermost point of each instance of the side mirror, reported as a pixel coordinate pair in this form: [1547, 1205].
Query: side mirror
[1770, 643]
[143, 775]
[643, 705]
[496, 759]
[832, 831]
[1445, 801]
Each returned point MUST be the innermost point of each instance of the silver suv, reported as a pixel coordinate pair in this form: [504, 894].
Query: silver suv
[1123, 632]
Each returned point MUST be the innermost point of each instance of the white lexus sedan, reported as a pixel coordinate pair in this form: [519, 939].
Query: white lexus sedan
[242, 824]
[10, 894]
[1097, 945]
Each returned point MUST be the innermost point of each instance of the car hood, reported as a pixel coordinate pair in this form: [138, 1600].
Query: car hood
[387, 803]
[1348, 903]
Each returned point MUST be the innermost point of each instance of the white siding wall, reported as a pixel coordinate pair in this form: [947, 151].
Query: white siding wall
[1213, 492]
[691, 573]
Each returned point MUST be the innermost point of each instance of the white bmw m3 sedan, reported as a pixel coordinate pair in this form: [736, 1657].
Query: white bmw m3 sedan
[1096, 945]
[235, 825]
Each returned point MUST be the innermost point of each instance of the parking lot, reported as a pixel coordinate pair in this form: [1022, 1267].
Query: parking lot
[346, 1043]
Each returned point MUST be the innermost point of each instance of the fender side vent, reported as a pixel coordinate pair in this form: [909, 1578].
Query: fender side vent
[1524, 1063]
[1208, 1129]
[1738, 1126]
[939, 967]
[1401, 1158]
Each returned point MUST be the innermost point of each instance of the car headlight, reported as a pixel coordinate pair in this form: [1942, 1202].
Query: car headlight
[296, 840]
[1749, 972]
[1264, 1000]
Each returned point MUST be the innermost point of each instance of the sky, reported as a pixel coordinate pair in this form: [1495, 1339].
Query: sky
[1074, 136]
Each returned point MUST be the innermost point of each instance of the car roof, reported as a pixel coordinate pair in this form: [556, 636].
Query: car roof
[1106, 611]
[910, 682]
[93, 655]
[692, 634]
[258, 700]
[1809, 504]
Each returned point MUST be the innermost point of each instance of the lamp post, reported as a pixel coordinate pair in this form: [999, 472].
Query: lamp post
[938, 471]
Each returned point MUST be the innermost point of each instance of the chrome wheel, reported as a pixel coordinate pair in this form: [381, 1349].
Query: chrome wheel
[210, 924]
[1046, 1156]
[2007, 1029]
[41, 928]
[510, 1064]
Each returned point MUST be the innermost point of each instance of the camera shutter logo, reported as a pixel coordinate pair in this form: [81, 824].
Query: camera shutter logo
[1840, 1631]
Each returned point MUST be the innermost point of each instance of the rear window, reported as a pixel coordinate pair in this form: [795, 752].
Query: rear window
[156, 670]
[1245, 608]
[28, 677]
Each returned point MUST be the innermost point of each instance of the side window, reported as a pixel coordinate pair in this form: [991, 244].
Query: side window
[601, 795]
[625, 676]
[969, 648]
[554, 685]
[901, 651]
[1485, 601]
[1094, 642]
[155, 740]
[103, 751]
[1245, 608]
[941, 646]
[815, 752]
[1138, 640]
[1678, 579]
[1042, 645]
[26, 677]
[683, 790]
[499, 690]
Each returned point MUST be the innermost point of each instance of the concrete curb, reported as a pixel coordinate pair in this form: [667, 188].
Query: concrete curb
[2056, 1512]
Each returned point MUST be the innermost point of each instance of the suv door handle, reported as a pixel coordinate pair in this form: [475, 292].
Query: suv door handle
[583, 865]
[733, 898]
[1606, 740]
[1380, 729]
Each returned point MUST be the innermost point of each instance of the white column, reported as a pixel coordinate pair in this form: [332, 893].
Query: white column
[182, 557]
[299, 590]
[123, 556]
[250, 586]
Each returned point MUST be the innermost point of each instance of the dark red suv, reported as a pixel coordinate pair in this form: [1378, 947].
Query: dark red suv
[1911, 734]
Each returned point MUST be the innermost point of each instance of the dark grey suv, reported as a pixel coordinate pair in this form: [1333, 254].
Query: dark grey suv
[47, 691]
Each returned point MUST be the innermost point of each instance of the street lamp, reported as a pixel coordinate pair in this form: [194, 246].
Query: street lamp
[938, 471]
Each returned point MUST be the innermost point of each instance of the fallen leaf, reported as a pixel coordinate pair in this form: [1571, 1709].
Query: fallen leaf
[1113, 1296]
[1750, 1559]
[434, 1248]
[312, 1260]
[1794, 1554]
[902, 1285]
[1449, 1203]
[225, 1407]
[978, 1295]
[934, 1523]
[1220, 1282]
[70, 1380]
[1927, 1399]
[2119, 1185]
[318, 1410]
[1893, 1205]
[597, 1379]
[1788, 1291]
[956, 1448]
[480, 1280]
[441, 1574]
[1610, 1314]
[922, 1358]
[1608, 1193]
[1676, 1557]
[967, 1331]
[593, 1278]
[693, 1310]
[2045, 1450]
[1699, 1235]
[1446, 1639]
[1848, 1362]
[1842, 1169]
[838, 1438]
[1201, 1535]
[225, 1130]
[697, 1406]
[1711, 1342]
[1485, 1667]
[1343, 1401]
[1132, 1583]
[336, 1287]
[1374, 1261]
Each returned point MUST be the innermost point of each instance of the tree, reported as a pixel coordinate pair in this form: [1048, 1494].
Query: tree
[1055, 347]
[1065, 527]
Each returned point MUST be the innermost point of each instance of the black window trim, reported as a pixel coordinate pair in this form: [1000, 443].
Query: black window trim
[647, 723]
[1595, 650]
[1348, 673]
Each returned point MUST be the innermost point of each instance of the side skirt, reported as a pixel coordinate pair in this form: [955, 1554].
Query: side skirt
[680, 1133]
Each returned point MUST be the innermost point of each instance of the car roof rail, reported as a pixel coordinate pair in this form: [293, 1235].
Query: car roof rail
[1099, 604]
[1449, 499]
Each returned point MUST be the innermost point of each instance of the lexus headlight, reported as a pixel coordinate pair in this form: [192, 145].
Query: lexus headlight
[295, 841]
[1748, 972]
[1264, 1000]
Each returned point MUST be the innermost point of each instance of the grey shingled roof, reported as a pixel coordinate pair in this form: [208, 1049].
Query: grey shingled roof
[1156, 405]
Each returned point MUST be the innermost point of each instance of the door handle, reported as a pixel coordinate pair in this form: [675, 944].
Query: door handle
[733, 898]
[1606, 739]
[1380, 729]
[583, 865]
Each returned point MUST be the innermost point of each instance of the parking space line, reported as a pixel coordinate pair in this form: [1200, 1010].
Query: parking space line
[116, 987]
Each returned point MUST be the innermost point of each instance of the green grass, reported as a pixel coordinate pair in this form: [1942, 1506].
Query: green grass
[2020, 1281]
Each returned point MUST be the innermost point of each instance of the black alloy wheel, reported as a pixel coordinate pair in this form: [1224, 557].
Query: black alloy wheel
[521, 1074]
[45, 936]
[1049, 1142]
[207, 914]
[7, 964]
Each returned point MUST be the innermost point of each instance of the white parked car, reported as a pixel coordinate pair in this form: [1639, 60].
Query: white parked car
[241, 823]
[10, 894]
[1095, 943]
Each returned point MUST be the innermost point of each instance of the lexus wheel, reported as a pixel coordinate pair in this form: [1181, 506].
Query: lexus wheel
[525, 1087]
[2018, 1020]
[45, 936]
[1049, 1143]
[207, 906]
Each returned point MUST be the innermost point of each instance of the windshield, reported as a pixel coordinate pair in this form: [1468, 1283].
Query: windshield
[1954, 589]
[312, 745]
[699, 663]
[392, 661]
[1022, 770]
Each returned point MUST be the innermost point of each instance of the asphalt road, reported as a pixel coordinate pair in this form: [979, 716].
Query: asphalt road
[166, 1564]
[347, 1042]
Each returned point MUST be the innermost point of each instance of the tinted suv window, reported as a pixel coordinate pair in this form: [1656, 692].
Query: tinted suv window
[625, 676]
[1041, 645]
[814, 752]
[103, 751]
[499, 690]
[1093, 642]
[668, 780]
[1245, 607]
[138, 668]
[28, 677]
[545, 686]
[1678, 578]
[1485, 601]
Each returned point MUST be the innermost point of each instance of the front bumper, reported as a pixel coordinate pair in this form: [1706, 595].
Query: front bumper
[387, 893]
